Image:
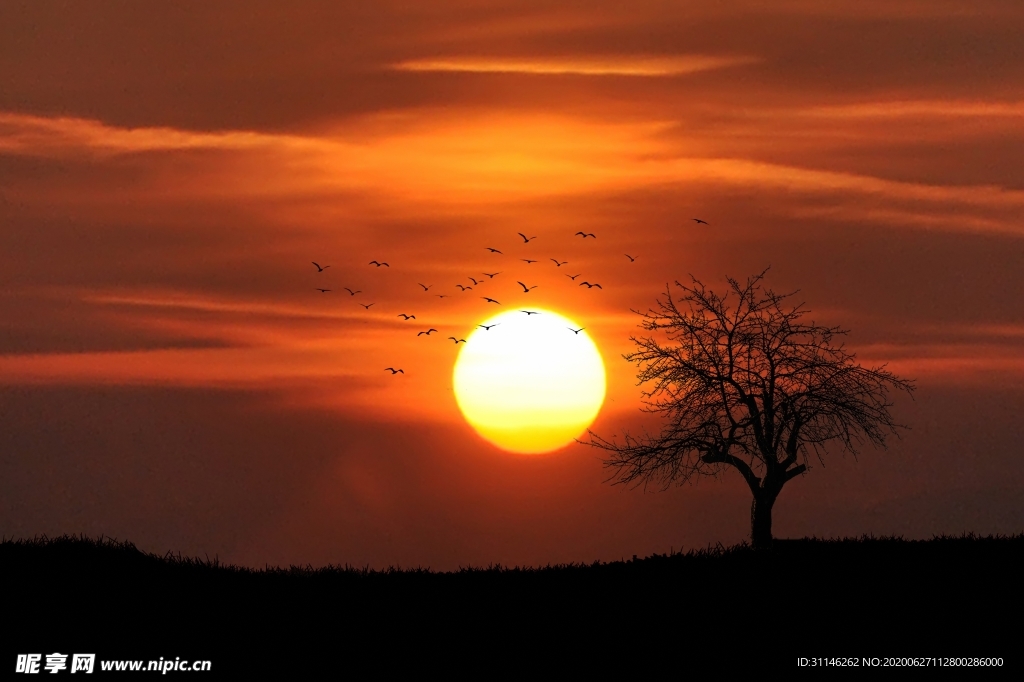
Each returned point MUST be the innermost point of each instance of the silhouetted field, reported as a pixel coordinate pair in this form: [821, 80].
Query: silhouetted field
[719, 608]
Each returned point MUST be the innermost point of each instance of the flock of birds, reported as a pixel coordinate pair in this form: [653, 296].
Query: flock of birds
[479, 282]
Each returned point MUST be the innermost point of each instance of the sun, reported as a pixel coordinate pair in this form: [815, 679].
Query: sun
[529, 383]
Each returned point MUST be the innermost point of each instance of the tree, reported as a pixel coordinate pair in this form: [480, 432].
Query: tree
[746, 385]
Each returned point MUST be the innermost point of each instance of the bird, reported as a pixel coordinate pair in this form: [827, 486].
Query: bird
[373, 262]
[490, 300]
[575, 331]
[491, 274]
[586, 234]
[631, 259]
[366, 305]
[492, 250]
[557, 264]
[591, 286]
[425, 287]
[319, 268]
[530, 312]
[426, 332]
[323, 291]
[457, 341]
[393, 370]
[353, 293]
[527, 260]
[699, 221]
[526, 240]
[408, 317]
[462, 287]
[473, 280]
[526, 289]
[487, 327]
[441, 295]
[573, 277]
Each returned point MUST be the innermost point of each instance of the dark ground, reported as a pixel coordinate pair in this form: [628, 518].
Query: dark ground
[710, 611]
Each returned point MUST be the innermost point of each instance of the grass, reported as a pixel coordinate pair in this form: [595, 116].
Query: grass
[886, 596]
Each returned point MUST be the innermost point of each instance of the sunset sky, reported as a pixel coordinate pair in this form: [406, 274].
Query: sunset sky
[169, 171]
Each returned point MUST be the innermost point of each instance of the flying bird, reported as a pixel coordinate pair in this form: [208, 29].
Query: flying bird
[441, 295]
[527, 260]
[490, 300]
[393, 370]
[591, 286]
[530, 312]
[373, 262]
[319, 268]
[573, 277]
[526, 240]
[408, 317]
[473, 280]
[492, 250]
[699, 221]
[557, 264]
[462, 287]
[490, 274]
[323, 291]
[586, 234]
[487, 327]
[426, 332]
[631, 259]
[353, 293]
[526, 289]
[366, 305]
[425, 287]
[575, 331]
[457, 341]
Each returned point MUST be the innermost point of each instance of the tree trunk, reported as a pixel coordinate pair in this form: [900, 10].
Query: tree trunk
[761, 520]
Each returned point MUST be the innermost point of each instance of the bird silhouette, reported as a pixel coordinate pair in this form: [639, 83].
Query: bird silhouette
[373, 262]
[425, 287]
[591, 286]
[473, 280]
[557, 264]
[393, 370]
[323, 291]
[699, 221]
[586, 234]
[487, 327]
[426, 332]
[441, 295]
[575, 331]
[353, 293]
[631, 259]
[526, 289]
[527, 260]
[319, 268]
[530, 312]
[526, 240]
[492, 250]
[573, 277]
[462, 287]
[366, 305]
[490, 274]
[457, 341]
[490, 300]
[408, 317]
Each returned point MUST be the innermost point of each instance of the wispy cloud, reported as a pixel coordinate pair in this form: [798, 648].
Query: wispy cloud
[582, 66]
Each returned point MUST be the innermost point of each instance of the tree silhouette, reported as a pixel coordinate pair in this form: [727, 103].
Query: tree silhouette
[749, 386]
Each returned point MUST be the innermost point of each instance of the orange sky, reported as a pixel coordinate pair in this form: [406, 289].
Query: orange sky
[168, 373]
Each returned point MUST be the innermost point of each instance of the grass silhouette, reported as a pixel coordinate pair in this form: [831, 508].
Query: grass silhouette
[732, 607]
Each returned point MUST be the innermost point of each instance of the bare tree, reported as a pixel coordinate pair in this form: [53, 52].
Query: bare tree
[746, 384]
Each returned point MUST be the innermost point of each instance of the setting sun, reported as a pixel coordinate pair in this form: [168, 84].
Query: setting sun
[531, 382]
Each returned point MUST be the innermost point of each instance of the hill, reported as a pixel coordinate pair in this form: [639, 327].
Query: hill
[728, 608]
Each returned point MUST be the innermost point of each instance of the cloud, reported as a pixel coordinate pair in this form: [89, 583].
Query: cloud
[626, 65]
